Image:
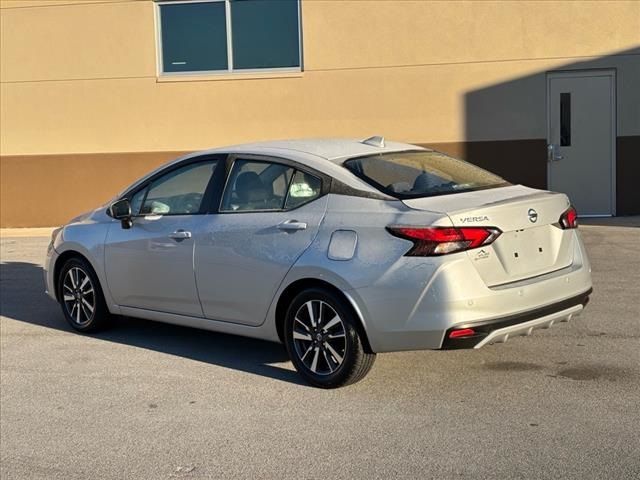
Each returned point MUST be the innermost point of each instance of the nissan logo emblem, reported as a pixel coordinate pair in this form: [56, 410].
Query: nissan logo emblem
[533, 215]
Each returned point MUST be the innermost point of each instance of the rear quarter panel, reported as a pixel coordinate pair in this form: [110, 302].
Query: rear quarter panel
[375, 266]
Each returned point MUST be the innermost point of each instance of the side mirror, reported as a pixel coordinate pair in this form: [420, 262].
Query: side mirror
[121, 210]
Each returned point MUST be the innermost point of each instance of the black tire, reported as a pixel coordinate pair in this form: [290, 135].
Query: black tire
[340, 360]
[81, 298]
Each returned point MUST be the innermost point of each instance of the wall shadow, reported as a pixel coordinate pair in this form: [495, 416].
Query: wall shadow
[22, 298]
[629, 221]
[510, 104]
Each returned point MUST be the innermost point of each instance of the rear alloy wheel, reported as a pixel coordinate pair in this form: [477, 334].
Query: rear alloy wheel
[323, 341]
[80, 296]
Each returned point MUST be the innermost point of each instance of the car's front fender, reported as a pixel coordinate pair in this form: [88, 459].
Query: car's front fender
[87, 238]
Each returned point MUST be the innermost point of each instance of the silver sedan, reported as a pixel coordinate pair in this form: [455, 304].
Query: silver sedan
[340, 249]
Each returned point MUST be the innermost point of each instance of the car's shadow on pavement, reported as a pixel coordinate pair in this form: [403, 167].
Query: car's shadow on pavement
[22, 298]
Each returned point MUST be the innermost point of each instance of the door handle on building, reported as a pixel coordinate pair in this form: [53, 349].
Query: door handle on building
[292, 225]
[180, 235]
[552, 153]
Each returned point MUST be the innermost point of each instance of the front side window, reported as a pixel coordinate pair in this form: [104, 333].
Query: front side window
[179, 192]
[225, 36]
[421, 174]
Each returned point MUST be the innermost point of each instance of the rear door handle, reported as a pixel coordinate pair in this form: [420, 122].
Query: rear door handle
[180, 235]
[292, 225]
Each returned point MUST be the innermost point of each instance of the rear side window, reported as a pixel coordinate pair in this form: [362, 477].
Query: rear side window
[303, 189]
[255, 186]
[421, 174]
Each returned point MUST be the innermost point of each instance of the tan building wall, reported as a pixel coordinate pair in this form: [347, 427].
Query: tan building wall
[79, 80]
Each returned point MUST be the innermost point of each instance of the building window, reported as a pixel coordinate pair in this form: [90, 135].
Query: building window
[229, 36]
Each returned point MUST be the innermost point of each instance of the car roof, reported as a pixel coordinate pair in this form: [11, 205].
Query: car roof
[323, 154]
[335, 150]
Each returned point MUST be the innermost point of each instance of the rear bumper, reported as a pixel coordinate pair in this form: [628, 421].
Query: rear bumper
[416, 304]
[522, 324]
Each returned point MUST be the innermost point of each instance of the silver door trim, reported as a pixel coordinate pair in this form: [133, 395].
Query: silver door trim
[607, 72]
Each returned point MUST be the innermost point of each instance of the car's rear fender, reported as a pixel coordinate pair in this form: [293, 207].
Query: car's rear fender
[374, 251]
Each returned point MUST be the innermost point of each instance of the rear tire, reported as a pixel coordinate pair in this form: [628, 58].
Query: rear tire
[323, 340]
[81, 297]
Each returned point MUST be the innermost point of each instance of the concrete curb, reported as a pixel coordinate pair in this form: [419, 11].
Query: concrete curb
[631, 221]
[26, 232]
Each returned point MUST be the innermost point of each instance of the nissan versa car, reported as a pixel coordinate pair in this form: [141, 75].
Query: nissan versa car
[340, 249]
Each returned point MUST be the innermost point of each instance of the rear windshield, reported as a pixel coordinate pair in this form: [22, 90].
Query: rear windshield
[421, 174]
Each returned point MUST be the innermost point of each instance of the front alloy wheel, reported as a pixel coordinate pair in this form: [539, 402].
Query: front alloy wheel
[323, 340]
[81, 297]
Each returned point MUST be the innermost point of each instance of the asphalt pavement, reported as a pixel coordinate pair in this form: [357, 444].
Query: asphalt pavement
[151, 401]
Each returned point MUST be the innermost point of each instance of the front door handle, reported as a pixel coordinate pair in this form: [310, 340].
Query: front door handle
[180, 235]
[292, 225]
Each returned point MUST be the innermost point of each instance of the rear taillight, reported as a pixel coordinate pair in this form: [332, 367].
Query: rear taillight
[432, 241]
[569, 219]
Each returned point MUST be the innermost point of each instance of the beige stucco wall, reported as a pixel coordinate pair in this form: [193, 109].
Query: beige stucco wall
[83, 112]
[81, 76]
[81, 41]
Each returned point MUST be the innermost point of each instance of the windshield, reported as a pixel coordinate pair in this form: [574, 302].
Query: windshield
[421, 174]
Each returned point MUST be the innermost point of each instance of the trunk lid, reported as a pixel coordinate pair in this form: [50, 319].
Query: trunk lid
[531, 243]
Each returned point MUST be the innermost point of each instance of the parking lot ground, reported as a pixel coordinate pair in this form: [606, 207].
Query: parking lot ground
[146, 400]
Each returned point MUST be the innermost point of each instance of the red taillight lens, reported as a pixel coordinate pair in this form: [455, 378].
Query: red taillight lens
[569, 219]
[431, 241]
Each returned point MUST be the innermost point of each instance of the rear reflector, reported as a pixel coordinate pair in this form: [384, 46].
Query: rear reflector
[432, 241]
[464, 332]
[569, 219]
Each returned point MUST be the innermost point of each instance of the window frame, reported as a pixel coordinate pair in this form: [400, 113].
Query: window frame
[230, 66]
[325, 182]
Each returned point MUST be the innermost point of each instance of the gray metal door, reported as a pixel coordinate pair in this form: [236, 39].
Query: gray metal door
[581, 139]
